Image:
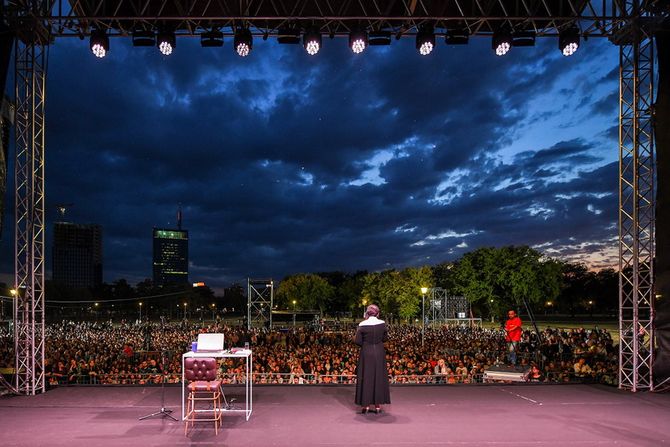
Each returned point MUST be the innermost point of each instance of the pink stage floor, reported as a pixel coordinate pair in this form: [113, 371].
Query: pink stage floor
[493, 415]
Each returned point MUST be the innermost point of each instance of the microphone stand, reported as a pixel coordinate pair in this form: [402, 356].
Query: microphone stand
[163, 412]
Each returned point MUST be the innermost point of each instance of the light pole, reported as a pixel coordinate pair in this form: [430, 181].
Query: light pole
[294, 303]
[213, 312]
[185, 310]
[140, 311]
[424, 290]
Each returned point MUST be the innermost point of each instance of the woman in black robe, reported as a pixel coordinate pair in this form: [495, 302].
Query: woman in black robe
[372, 384]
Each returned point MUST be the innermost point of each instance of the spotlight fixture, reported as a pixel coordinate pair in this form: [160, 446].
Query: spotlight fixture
[142, 38]
[523, 39]
[501, 42]
[425, 40]
[457, 37]
[288, 36]
[312, 41]
[211, 39]
[243, 42]
[379, 38]
[166, 42]
[568, 41]
[358, 41]
[99, 43]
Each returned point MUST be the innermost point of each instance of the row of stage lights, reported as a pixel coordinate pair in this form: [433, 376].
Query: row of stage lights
[502, 41]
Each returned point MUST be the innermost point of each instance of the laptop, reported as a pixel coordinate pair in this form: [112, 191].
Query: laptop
[210, 342]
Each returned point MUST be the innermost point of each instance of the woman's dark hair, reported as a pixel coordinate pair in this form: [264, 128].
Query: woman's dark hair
[372, 311]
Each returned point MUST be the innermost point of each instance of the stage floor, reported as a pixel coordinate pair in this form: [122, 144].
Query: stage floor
[492, 415]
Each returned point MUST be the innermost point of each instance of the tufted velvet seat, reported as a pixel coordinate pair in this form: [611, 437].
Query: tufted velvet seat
[203, 386]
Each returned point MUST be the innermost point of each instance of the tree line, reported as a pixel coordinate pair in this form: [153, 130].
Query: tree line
[493, 279]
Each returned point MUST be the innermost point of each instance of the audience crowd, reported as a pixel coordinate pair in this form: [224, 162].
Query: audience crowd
[130, 353]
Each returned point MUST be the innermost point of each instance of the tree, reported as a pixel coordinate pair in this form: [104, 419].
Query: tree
[308, 290]
[500, 278]
[397, 292]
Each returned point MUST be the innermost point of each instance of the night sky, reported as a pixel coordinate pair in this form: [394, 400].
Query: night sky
[287, 163]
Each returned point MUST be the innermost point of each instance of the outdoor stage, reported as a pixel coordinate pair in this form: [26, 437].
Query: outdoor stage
[491, 415]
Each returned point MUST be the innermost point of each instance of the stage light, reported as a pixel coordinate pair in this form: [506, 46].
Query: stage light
[166, 42]
[379, 38]
[211, 39]
[312, 41]
[568, 41]
[243, 42]
[523, 39]
[289, 36]
[99, 43]
[425, 40]
[142, 38]
[501, 42]
[358, 41]
[457, 37]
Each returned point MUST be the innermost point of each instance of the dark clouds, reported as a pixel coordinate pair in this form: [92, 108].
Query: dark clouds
[287, 163]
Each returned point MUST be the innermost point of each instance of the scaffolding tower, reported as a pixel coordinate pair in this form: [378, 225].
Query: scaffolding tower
[636, 198]
[260, 301]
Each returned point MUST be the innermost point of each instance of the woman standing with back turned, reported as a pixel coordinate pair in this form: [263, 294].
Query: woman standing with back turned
[372, 384]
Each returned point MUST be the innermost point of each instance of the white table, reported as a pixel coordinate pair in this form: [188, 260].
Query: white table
[248, 383]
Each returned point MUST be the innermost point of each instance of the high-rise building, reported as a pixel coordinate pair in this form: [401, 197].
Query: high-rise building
[77, 254]
[170, 256]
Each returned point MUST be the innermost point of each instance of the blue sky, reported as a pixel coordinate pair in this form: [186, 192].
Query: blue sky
[288, 163]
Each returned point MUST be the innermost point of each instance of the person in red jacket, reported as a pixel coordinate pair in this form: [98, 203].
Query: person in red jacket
[513, 335]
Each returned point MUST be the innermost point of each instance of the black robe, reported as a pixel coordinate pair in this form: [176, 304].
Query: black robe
[372, 384]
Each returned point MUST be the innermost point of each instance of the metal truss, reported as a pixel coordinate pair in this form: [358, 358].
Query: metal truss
[333, 17]
[260, 300]
[437, 305]
[37, 22]
[636, 204]
[442, 307]
[30, 83]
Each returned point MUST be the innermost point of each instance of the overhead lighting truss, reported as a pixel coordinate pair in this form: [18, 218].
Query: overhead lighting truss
[272, 17]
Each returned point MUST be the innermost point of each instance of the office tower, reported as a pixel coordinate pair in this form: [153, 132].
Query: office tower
[170, 255]
[77, 254]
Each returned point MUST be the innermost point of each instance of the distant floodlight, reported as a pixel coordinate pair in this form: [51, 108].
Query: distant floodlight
[358, 41]
[501, 43]
[312, 41]
[99, 43]
[166, 42]
[211, 39]
[243, 42]
[425, 40]
[568, 41]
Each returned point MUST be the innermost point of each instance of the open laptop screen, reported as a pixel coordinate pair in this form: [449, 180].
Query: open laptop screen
[210, 342]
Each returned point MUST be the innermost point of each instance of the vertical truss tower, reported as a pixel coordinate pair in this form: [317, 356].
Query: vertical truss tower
[636, 201]
[260, 300]
[30, 58]
[437, 306]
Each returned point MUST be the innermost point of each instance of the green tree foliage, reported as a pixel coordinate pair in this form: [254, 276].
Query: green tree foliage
[397, 292]
[308, 290]
[499, 278]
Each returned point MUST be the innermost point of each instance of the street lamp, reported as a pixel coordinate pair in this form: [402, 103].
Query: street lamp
[140, 311]
[213, 311]
[185, 304]
[424, 290]
[294, 303]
